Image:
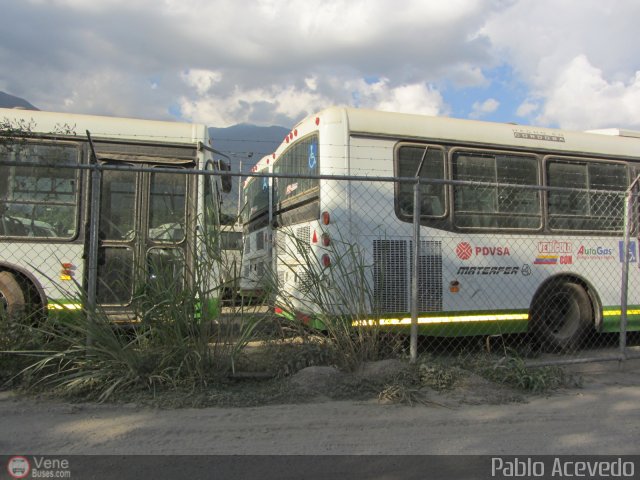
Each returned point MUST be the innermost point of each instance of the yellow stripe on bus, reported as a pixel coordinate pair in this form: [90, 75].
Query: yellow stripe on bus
[444, 319]
[617, 313]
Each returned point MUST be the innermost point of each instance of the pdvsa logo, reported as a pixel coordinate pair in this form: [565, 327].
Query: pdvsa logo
[464, 251]
[18, 467]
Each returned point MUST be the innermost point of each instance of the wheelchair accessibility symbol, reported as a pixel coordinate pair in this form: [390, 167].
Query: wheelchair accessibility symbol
[312, 156]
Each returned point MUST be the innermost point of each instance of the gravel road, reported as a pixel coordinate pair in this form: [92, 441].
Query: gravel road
[602, 417]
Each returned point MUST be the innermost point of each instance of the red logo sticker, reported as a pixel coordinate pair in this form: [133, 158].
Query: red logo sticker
[18, 467]
[464, 251]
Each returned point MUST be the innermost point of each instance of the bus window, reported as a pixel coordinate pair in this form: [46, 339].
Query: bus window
[115, 273]
[231, 240]
[118, 205]
[226, 179]
[301, 158]
[211, 200]
[430, 160]
[256, 197]
[167, 207]
[41, 196]
[585, 208]
[501, 205]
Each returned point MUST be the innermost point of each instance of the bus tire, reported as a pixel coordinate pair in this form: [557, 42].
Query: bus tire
[562, 315]
[12, 301]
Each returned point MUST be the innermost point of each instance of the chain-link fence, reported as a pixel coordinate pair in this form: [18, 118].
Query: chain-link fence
[503, 267]
[441, 267]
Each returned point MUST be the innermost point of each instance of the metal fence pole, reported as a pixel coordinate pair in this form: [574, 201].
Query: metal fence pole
[413, 349]
[94, 244]
[628, 225]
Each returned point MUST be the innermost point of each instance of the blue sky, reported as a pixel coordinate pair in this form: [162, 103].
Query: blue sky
[570, 64]
[500, 96]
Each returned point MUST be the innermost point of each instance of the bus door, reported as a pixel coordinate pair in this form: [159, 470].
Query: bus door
[143, 239]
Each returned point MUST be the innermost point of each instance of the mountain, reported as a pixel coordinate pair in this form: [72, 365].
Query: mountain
[9, 101]
[247, 143]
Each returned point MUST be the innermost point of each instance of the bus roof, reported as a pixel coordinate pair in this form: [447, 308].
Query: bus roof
[420, 127]
[108, 127]
[616, 132]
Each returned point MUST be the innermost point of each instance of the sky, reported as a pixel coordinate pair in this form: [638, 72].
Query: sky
[571, 64]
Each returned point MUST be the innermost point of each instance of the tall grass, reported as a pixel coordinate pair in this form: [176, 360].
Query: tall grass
[334, 298]
[179, 340]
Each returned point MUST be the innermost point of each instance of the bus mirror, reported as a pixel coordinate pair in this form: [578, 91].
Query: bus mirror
[227, 183]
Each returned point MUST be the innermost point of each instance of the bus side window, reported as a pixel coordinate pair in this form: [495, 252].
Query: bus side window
[40, 193]
[501, 202]
[596, 201]
[430, 161]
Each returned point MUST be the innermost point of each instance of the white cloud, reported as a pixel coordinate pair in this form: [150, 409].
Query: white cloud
[259, 105]
[480, 109]
[415, 98]
[527, 108]
[260, 61]
[201, 80]
[85, 94]
[269, 61]
[582, 98]
[467, 75]
[311, 83]
[577, 57]
[295, 102]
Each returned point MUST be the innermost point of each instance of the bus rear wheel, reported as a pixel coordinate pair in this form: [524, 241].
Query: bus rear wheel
[562, 316]
[12, 301]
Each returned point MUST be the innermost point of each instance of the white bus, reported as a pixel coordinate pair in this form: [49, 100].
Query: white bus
[524, 256]
[150, 210]
[257, 235]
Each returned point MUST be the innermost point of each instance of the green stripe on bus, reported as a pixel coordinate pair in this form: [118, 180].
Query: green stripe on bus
[611, 317]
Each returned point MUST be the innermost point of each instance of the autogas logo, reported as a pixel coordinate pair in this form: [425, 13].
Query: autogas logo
[595, 253]
[464, 251]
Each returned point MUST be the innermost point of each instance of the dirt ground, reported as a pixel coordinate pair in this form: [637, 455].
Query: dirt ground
[601, 417]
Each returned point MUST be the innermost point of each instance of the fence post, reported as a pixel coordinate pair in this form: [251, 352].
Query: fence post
[629, 223]
[413, 349]
[94, 242]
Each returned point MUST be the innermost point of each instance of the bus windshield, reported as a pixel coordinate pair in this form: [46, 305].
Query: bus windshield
[300, 159]
[256, 195]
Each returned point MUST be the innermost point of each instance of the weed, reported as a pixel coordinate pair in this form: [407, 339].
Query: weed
[512, 370]
[180, 342]
[410, 385]
[437, 376]
[405, 388]
[332, 298]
